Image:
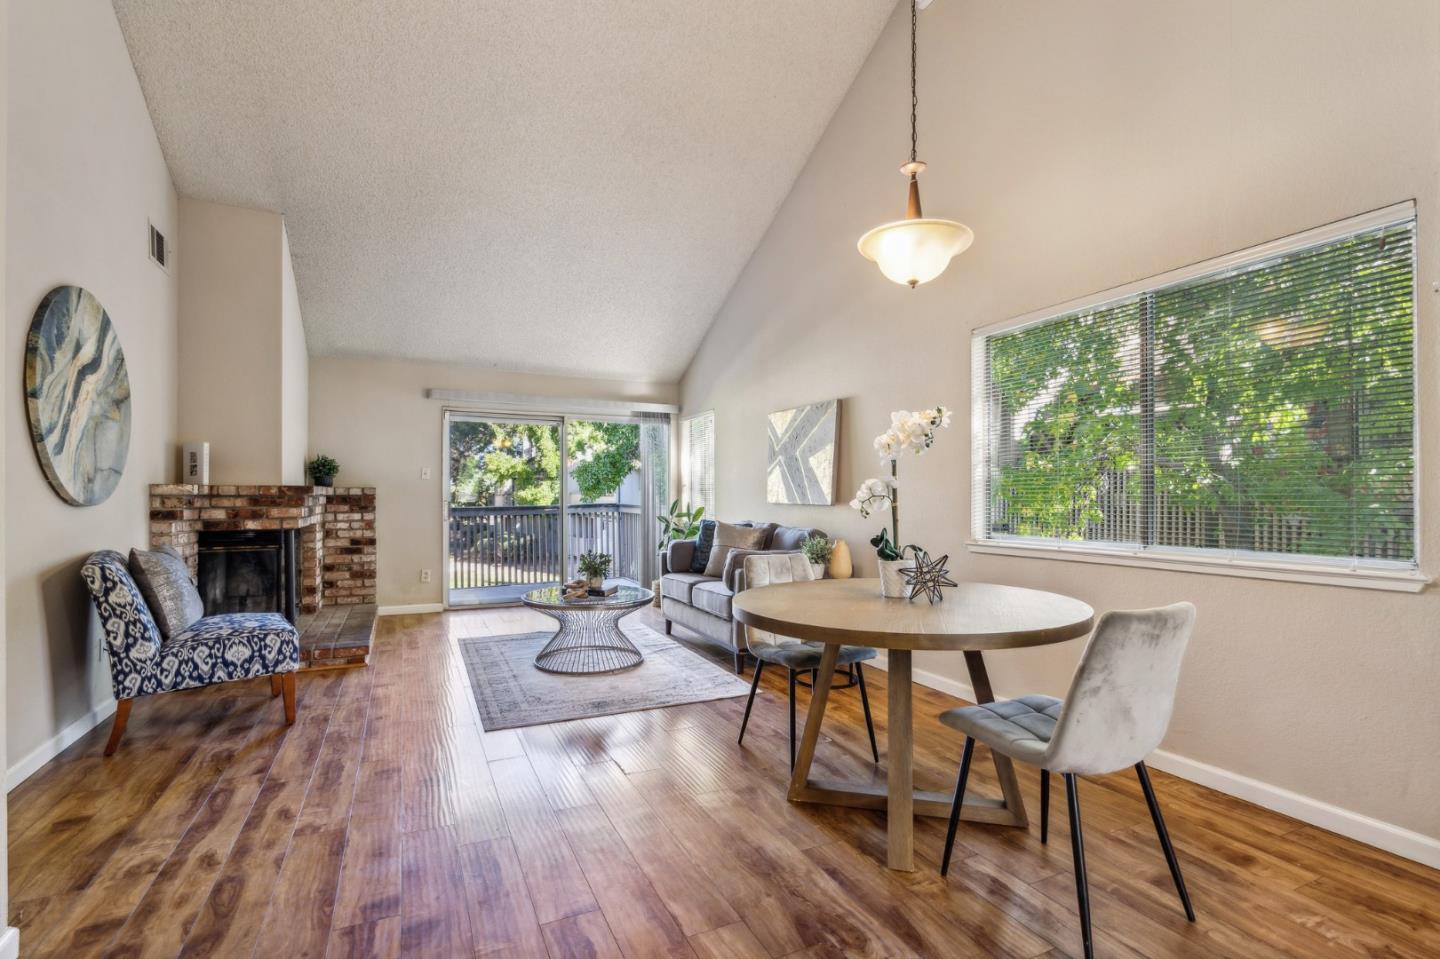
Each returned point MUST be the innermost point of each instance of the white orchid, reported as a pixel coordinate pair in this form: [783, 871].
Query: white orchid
[914, 432]
[873, 494]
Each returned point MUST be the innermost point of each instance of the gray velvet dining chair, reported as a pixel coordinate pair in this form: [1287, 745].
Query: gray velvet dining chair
[794, 655]
[1115, 715]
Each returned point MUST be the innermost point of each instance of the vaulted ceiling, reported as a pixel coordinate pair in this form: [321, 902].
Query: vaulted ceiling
[566, 187]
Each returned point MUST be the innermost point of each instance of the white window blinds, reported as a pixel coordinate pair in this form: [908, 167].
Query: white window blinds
[1263, 407]
[698, 459]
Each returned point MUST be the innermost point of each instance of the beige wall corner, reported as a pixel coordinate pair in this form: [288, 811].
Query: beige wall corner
[231, 336]
[85, 173]
[294, 373]
[1087, 152]
[374, 418]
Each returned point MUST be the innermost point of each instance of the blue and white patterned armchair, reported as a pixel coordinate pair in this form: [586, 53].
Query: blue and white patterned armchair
[215, 649]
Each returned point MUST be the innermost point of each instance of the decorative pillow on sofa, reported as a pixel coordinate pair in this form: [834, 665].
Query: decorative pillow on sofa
[164, 581]
[703, 543]
[728, 537]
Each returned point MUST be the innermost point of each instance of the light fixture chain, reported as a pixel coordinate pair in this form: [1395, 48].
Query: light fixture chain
[914, 97]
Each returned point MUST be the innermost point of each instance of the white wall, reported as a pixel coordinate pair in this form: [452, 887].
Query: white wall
[1090, 144]
[374, 418]
[84, 172]
[9, 936]
[294, 374]
[243, 365]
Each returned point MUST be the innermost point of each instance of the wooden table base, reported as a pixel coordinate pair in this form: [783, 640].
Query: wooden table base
[900, 800]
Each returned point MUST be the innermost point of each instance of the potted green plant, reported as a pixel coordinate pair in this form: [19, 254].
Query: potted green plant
[594, 567]
[818, 550]
[322, 470]
[679, 522]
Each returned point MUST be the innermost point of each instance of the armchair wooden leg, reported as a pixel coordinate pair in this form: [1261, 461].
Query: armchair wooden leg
[122, 716]
[1044, 805]
[288, 683]
[274, 685]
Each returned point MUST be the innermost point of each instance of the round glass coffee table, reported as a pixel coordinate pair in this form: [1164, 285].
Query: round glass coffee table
[589, 638]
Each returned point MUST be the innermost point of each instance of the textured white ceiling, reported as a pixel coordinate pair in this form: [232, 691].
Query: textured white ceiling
[565, 187]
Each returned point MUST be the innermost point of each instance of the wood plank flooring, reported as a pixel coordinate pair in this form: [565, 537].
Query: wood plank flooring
[386, 822]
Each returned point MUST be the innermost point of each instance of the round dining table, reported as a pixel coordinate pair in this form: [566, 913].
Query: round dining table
[973, 618]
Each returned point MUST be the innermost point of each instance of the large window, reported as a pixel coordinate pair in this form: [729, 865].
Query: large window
[1257, 408]
[697, 462]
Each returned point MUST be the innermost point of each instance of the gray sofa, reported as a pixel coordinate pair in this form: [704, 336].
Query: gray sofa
[702, 603]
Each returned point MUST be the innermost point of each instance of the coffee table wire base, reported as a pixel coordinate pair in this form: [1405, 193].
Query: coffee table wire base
[589, 640]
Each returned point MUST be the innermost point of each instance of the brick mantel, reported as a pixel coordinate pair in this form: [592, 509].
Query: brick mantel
[336, 524]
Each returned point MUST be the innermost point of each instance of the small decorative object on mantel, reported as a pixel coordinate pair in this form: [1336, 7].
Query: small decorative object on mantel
[818, 550]
[322, 470]
[195, 464]
[77, 395]
[927, 576]
[914, 432]
[595, 567]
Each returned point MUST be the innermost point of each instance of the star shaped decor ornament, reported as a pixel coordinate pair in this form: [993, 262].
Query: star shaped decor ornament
[927, 576]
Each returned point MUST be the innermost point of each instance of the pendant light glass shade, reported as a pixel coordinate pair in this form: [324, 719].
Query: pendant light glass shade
[915, 250]
[911, 252]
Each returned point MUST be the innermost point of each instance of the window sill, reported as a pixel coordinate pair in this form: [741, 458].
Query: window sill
[1402, 581]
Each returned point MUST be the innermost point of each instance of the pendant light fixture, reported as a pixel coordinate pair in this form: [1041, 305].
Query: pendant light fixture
[914, 250]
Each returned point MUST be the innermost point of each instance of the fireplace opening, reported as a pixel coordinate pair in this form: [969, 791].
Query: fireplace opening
[249, 571]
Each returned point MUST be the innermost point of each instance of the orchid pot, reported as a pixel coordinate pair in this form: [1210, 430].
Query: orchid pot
[892, 577]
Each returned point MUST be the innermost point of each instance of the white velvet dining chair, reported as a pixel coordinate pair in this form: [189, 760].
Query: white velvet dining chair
[1115, 715]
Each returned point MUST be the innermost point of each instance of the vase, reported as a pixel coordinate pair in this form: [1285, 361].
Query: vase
[596, 582]
[818, 569]
[841, 566]
[892, 580]
[325, 481]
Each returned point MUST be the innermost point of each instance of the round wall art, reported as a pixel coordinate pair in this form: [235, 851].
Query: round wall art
[77, 393]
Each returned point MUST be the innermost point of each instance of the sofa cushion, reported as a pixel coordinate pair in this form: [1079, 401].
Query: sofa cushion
[768, 528]
[678, 585]
[713, 598]
[729, 536]
[792, 537]
[701, 557]
[164, 581]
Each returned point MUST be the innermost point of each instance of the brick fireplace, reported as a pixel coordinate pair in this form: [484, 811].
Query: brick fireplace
[335, 533]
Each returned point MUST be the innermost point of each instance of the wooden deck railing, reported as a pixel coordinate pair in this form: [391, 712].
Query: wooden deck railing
[508, 545]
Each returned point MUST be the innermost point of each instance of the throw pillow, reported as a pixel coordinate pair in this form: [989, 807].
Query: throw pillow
[164, 581]
[703, 544]
[728, 537]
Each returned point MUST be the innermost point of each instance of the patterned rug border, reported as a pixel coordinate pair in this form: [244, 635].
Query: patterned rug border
[672, 675]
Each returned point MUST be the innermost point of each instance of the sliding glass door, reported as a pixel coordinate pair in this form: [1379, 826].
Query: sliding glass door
[515, 519]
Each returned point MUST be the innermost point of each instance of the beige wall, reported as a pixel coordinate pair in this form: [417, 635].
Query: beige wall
[242, 346]
[5, 401]
[373, 417]
[294, 374]
[84, 173]
[1091, 144]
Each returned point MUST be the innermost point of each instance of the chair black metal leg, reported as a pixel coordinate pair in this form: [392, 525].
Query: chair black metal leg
[1077, 848]
[955, 806]
[859, 676]
[792, 720]
[1044, 796]
[754, 685]
[1164, 835]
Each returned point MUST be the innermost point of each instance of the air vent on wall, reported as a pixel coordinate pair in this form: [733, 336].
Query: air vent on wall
[159, 251]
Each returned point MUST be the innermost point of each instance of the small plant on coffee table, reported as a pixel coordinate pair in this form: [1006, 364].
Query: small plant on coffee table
[594, 567]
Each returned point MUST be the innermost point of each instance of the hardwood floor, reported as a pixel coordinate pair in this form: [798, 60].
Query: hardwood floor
[385, 822]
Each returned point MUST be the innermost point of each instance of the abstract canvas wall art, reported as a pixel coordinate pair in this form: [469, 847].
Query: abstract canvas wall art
[77, 393]
[801, 467]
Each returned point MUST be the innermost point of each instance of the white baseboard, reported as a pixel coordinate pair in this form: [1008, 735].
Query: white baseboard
[1373, 832]
[412, 608]
[53, 747]
[10, 943]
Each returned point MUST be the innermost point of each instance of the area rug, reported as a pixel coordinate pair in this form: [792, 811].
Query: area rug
[510, 692]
